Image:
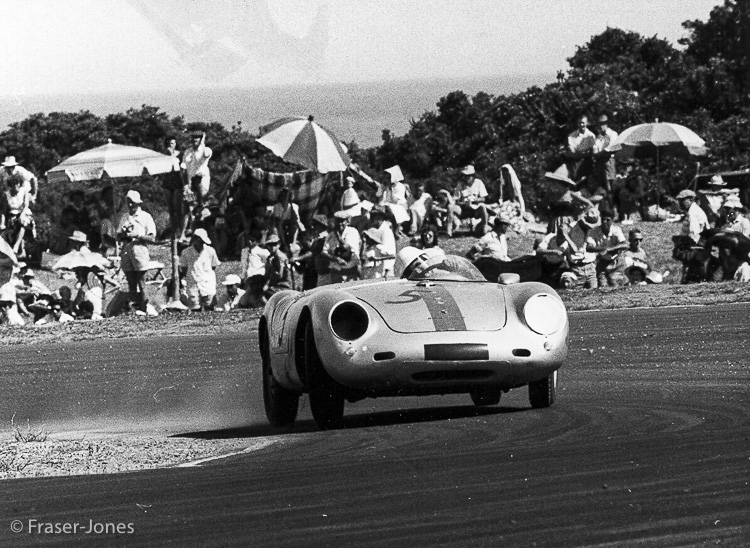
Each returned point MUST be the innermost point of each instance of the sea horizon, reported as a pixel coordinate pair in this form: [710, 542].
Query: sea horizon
[353, 111]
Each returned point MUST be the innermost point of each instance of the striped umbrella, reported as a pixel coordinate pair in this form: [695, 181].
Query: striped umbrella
[658, 139]
[303, 142]
[115, 161]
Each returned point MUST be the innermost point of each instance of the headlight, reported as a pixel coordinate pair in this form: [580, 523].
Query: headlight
[544, 314]
[349, 321]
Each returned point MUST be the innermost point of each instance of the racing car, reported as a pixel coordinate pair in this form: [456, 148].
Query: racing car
[440, 328]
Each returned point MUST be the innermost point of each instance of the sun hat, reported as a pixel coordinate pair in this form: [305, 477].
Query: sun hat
[320, 219]
[79, 236]
[395, 173]
[716, 180]
[134, 196]
[203, 235]
[366, 205]
[733, 202]
[636, 266]
[272, 239]
[590, 218]
[687, 193]
[560, 175]
[341, 215]
[603, 118]
[232, 279]
[636, 234]
[468, 170]
[10, 161]
[374, 235]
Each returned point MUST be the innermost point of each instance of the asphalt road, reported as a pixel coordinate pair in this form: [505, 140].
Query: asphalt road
[647, 445]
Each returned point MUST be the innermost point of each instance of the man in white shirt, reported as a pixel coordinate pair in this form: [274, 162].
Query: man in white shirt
[469, 195]
[695, 221]
[579, 150]
[136, 230]
[197, 174]
[603, 172]
[11, 168]
[198, 265]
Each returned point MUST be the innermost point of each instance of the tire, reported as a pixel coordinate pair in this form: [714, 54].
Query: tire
[281, 404]
[486, 396]
[542, 393]
[326, 398]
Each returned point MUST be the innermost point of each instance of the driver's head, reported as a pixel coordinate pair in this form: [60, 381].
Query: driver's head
[413, 261]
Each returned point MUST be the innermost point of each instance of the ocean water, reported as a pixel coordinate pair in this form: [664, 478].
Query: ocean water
[353, 111]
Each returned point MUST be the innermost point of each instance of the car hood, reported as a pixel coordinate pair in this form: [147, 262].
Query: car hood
[411, 307]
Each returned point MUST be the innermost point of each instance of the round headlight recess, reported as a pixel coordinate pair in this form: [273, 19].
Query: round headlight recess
[349, 321]
[544, 314]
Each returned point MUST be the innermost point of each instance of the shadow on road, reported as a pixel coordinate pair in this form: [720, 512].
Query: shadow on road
[361, 420]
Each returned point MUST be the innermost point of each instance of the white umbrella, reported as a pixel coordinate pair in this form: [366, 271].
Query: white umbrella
[301, 141]
[115, 161]
[83, 258]
[658, 139]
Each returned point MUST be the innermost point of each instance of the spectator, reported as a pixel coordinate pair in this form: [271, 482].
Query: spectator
[372, 261]
[111, 212]
[469, 195]
[197, 178]
[421, 208]
[278, 273]
[15, 216]
[81, 215]
[260, 222]
[637, 263]
[392, 194]
[509, 176]
[253, 259]
[173, 185]
[285, 220]
[235, 293]
[630, 196]
[735, 220]
[493, 244]
[304, 260]
[341, 248]
[59, 238]
[447, 213]
[428, 237]
[712, 199]
[319, 227]
[198, 265]
[350, 201]
[136, 230]
[695, 220]
[603, 170]
[564, 203]
[379, 220]
[577, 247]
[579, 150]
[609, 241]
[12, 168]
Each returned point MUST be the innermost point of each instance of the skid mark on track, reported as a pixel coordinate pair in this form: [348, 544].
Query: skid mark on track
[256, 445]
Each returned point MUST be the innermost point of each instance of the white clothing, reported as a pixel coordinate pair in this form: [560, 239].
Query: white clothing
[201, 273]
[253, 262]
[195, 162]
[695, 222]
[581, 141]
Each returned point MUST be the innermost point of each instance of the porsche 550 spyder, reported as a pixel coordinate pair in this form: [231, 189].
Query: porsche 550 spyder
[441, 328]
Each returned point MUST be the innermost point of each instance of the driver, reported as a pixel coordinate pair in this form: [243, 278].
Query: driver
[412, 261]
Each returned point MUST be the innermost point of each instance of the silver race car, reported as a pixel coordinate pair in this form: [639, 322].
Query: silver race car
[441, 328]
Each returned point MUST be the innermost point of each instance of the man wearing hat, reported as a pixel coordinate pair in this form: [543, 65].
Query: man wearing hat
[577, 247]
[198, 265]
[15, 214]
[341, 248]
[11, 168]
[603, 171]
[278, 272]
[197, 173]
[469, 195]
[136, 231]
[392, 193]
[494, 243]
[735, 220]
[695, 220]
[235, 293]
[372, 255]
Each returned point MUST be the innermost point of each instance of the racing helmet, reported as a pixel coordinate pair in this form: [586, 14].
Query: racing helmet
[412, 260]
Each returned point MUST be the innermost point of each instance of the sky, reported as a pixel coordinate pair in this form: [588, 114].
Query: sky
[79, 46]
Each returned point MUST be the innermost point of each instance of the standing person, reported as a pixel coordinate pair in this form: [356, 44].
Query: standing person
[341, 248]
[609, 242]
[604, 169]
[577, 247]
[350, 201]
[136, 231]
[420, 210]
[372, 263]
[322, 263]
[253, 259]
[198, 265]
[285, 219]
[173, 184]
[81, 216]
[470, 194]
[278, 272]
[15, 214]
[695, 220]
[30, 182]
[379, 221]
[392, 194]
[580, 146]
[197, 181]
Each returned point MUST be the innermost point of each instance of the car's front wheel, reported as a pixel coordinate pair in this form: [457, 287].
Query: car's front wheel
[281, 404]
[326, 398]
[486, 396]
[542, 393]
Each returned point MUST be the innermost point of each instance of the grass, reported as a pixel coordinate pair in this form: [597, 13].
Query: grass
[27, 436]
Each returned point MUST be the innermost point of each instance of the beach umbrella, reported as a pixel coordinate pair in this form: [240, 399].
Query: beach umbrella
[113, 160]
[82, 258]
[658, 139]
[302, 141]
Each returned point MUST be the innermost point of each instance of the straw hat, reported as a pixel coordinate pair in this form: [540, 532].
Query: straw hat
[560, 175]
[340, 215]
[395, 173]
[716, 180]
[320, 219]
[374, 235]
[468, 170]
[10, 161]
[590, 218]
[687, 193]
[79, 236]
[733, 202]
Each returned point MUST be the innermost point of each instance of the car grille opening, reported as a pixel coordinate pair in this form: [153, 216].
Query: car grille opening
[380, 356]
[521, 352]
[455, 352]
[452, 375]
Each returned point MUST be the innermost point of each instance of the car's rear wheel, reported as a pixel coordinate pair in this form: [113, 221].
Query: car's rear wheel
[486, 396]
[281, 403]
[542, 393]
[326, 398]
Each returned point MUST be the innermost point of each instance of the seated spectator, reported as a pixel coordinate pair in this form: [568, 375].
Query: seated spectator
[198, 265]
[609, 242]
[712, 198]
[341, 248]
[470, 195]
[372, 257]
[635, 261]
[629, 198]
[735, 220]
[303, 260]
[428, 237]
[63, 298]
[235, 293]
[447, 213]
[577, 247]
[392, 194]
[278, 273]
[510, 178]
[421, 208]
[564, 203]
[493, 244]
